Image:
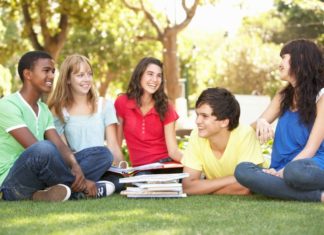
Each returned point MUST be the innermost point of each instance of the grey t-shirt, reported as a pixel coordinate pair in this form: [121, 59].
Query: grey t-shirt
[84, 131]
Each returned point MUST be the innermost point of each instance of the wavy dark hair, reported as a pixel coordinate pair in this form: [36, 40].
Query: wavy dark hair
[135, 91]
[223, 103]
[306, 64]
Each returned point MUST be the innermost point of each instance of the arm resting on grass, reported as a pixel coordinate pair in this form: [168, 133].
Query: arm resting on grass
[224, 185]
[234, 189]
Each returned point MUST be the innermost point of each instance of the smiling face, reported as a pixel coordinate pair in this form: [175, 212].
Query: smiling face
[151, 79]
[81, 79]
[41, 75]
[207, 124]
[284, 69]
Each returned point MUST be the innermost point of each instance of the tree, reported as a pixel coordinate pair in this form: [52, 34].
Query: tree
[111, 46]
[46, 23]
[302, 19]
[108, 43]
[166, 34]
[247, 65]
[290, 19]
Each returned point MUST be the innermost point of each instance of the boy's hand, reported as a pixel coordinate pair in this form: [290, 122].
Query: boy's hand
[79, 184]
[91, 190]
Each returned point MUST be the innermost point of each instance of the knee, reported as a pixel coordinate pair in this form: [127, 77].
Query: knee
[295, 173]
[44, 147]
[40, 154]
[43, 150]
[104, 156]
[243, 171]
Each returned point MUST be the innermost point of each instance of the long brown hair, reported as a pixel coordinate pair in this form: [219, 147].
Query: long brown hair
[135, 91]
[307, 65]
[62, 95]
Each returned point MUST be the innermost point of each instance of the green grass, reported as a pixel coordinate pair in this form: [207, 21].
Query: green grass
[193, 215]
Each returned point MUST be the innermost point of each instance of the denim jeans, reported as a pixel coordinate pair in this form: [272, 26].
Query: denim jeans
[41, 166]
[302, 180]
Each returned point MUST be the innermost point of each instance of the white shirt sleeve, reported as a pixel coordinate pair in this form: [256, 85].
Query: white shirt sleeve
[319, 95]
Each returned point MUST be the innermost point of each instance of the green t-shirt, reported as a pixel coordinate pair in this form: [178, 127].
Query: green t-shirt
[16, 113]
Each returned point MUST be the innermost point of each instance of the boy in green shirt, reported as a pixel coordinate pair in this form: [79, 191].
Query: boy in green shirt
[34, 168]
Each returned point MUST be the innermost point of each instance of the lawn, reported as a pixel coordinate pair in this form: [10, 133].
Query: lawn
[193, 215]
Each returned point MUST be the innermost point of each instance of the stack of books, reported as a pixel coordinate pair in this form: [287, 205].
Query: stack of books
[154, 186]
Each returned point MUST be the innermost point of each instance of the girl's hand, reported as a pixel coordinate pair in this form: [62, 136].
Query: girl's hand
[272, 171]
[264, 130]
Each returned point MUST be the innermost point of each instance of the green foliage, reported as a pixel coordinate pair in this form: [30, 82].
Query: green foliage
[247, 65]
[107, 32]
[301, 19]
[289, 20]
[125, 152]
[110, 46]
[5, 84]
[267, 147]
[197, 60]
[183, 142]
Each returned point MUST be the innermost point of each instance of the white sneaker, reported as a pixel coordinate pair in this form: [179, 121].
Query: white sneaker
[104, 188]
[56, 193]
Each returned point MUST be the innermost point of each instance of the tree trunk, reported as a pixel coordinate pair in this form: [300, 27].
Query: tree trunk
[170, 59]
[104, 84]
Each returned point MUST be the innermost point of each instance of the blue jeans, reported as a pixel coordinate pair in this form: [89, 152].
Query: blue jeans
[41, 166]
[302, 180]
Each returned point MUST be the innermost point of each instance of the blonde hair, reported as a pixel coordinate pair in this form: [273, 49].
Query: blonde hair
[62, 95]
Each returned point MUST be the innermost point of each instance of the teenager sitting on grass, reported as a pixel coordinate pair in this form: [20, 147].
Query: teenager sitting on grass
[82, 119]
[34, 168]
[147, 119]
[217, 145]
[297, 162]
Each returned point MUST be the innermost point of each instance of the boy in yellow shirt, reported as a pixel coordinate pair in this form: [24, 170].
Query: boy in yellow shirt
[217, 145]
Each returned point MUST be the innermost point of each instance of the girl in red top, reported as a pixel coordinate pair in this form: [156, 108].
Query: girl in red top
[147, 119]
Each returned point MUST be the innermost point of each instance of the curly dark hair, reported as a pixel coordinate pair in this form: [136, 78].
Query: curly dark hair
[223, 103]
[135, 91]
[306, 64]
[28, 60]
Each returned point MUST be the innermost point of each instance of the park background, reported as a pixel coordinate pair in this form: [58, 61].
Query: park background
[203, 43]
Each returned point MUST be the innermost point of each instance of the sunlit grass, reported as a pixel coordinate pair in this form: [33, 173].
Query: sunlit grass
[193, 215]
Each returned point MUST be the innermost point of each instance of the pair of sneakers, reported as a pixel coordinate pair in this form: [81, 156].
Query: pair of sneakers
[61, 192]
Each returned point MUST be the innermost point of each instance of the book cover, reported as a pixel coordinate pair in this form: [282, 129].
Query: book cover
[154, 178]
[152, 166]
[158, 196]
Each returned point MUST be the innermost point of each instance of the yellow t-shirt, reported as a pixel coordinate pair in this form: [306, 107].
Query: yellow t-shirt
[242, 146]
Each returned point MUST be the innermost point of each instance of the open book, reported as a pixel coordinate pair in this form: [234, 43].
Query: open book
[151, 166]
